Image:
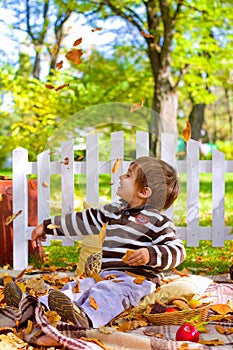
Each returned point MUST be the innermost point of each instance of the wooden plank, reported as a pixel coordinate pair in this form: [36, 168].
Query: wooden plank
[92, 169]
[218, 194]
[43, 184]
[193, 193]
[67, 176]
[20, 202]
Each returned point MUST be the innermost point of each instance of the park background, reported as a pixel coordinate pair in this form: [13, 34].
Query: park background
[173, 57]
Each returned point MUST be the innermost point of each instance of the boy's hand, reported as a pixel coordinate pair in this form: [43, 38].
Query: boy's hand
[38, 235]
[139, 257]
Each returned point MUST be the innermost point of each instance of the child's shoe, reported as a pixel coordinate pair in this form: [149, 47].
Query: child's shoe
[13, 294]
[68, 311]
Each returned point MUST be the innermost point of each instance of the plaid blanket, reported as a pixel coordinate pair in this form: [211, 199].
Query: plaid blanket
[147, 337]
[72, 337]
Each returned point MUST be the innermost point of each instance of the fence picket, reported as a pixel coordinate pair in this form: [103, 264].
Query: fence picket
[192, 193]
[218, 194]
[91, 167]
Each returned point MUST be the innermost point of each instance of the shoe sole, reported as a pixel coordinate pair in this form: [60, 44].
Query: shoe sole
[12, 294]
[60, 303]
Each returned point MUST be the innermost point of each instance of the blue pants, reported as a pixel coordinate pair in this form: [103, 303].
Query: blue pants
[112, 298]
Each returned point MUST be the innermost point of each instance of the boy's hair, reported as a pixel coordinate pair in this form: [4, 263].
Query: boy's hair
[161, 178]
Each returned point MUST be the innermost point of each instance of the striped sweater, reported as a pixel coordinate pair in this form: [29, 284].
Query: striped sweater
[127, 228]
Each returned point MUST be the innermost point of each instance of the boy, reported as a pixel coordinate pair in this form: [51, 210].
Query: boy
[135, 223]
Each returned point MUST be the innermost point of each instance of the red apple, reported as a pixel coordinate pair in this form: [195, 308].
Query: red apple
[171, 309]
[187, 332]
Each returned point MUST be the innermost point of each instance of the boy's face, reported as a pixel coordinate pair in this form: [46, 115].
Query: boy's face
[128, 187]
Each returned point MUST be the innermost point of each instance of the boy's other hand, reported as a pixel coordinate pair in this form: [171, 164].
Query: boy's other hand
[139, 257]
[38, 235]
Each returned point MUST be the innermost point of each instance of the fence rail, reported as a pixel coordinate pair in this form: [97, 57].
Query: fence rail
[192, 166]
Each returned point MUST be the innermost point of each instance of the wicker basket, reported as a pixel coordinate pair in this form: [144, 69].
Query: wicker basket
[178, 317]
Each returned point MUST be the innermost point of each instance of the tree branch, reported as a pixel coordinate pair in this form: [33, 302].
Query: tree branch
[182, 74]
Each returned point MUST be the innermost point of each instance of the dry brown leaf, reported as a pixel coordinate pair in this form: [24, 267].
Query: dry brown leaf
[96, 29]
[10, 218]
[224, 330]
[7, 279]
[1, 197]
[136, 106]
[44, 184]
[139, 279]
[59, 65]
[102, 233]
[77, 42]
[110, 277]
[74, 55]
[127, 255]
[147, 35]
[221, 309]
[93, 302]
[36, 285]
[125, 327]
[117, 281]
[66, 161]
[116, 165]
[182, 273]
[62, 87]
[96, 341]
[211, 342]
[186, 133]
[76, 288]
[97, 277]
[29, 328]
[107, 330]
[52, 317]
[55, 49]
[49, 86]
[181, 304]
[32, 184]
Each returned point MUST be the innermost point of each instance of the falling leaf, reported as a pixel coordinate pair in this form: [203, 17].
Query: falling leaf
[49, 86]
[66, 161]
[52, 226]
[55, 49]
[62, 87]
[10, 218]
[1, 198]
[44, 184]
[77, 42]
[186, 133]
[137, 106]
[96, 29]
[116, 165]
[102, 233]
[59, 65]
[32, 184]
[147, 35]
[93, 302]
[74, 56]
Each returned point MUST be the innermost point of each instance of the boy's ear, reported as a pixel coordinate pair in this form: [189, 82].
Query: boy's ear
[146, 192]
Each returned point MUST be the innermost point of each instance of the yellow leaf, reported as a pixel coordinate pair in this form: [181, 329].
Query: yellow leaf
[186, 133]
[116, 165]
[10, 218]
[136, 106]
[93, 302]
[221, 309]
[102, 233]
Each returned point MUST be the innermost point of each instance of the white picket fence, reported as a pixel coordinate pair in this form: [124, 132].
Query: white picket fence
[92, 167]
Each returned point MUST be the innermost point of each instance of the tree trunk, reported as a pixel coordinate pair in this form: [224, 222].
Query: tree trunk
[196, 119]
